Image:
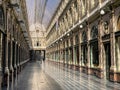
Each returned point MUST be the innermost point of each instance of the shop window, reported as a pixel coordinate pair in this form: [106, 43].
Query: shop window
[94, 46]
[117, 49]
[71, 54]
[84, 54]
[84, 48]
[94, 54]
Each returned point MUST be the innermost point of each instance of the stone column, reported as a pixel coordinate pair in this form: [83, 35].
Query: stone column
[59, 52]
[18, 59]
[5, 81]
[113, 67]
[80, 58]
[11, 59]
[65, 52]
[6, 70]
[15, 66]
[100, 47]
[88, 52]
[68, 51]
[1, 48]
[112, 37]
[88, 45]
[73, 50]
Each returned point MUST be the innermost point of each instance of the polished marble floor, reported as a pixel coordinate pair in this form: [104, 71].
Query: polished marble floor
[69, 79]
[47, 76]
[34, 78]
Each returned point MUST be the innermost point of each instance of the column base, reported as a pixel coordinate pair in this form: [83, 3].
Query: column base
[84, 69]
[77, 67]
[15, 73]
[98, 72]
[114, 76]
[71, 66]
[11, 75]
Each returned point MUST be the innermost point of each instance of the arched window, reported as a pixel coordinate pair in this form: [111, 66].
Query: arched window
[2, 21]
[9, 22]
[94, 32]
[76, 7]
[83, 5]
[84, 37]
[118, 23]
[92, 3]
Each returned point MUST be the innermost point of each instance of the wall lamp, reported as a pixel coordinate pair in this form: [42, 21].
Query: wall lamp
[68, 34]
[61, 39]
[81, 26]
[102, 11]
[106, 9]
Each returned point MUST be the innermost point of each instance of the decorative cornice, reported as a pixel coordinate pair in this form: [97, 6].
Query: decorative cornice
[80, 21]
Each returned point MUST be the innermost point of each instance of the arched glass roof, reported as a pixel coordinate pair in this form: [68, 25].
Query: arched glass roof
[41, 11]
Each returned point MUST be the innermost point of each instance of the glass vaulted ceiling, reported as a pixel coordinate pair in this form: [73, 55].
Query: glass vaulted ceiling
[41, 11]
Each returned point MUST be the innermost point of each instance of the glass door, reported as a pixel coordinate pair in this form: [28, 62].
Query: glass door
[108, 60]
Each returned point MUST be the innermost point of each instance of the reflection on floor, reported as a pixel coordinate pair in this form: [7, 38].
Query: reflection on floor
[47, 76]
[69, 79]
[34, 78]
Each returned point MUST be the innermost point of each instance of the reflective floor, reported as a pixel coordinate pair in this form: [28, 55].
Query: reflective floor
[74, 80]
[34, 78]
[47, 76]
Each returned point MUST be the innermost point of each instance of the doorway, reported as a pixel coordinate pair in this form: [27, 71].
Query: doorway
[107, 59]
[77, 54]
[71, 54]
